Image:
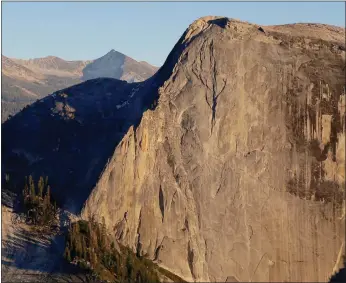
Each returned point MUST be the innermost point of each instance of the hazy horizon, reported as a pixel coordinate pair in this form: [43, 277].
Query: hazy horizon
[144, 31]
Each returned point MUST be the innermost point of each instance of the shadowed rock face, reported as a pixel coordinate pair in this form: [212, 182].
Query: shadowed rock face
[236, 175]
[70, 135]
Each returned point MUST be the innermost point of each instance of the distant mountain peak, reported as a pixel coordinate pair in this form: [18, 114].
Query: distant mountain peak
[114, 52]
[117, 65]
[51, 57]
[44, 75]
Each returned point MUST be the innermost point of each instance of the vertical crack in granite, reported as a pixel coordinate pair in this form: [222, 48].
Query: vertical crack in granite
[161, 203]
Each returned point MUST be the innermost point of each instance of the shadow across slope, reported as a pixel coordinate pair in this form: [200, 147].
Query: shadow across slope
[70, 135]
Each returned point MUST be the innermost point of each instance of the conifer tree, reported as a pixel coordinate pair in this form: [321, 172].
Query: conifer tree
[129, 266]
[73, 235]
[103, 234]
[25, 191]
[47, 205]
[84, 249]
[46, 182]
[32, 187]
[98, 235]
[48, 194]
[47, 197]
[93, 258]
[93, 238]
[79, 249]
[26, 187]
[40, 186]
[67, 254]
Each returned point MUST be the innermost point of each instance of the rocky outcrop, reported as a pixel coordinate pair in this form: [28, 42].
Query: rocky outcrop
[28, 255]
[238, 174]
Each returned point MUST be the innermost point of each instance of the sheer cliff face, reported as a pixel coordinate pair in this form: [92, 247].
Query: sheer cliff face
[238, 174]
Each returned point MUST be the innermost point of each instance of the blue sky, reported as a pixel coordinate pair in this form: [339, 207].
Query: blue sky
[143, 31]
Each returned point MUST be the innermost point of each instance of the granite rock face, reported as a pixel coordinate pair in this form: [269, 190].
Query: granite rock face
[238, 173]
